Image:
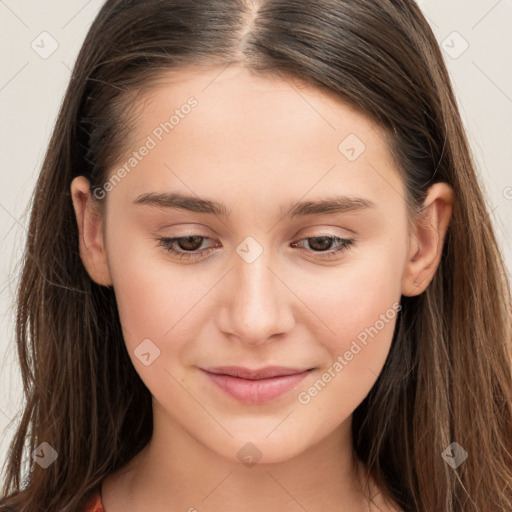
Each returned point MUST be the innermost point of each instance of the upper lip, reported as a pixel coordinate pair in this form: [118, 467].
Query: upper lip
[263, 373]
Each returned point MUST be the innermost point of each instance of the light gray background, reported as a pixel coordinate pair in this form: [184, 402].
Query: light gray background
[32, 87]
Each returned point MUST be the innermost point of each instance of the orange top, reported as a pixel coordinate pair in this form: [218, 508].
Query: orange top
[94, 504]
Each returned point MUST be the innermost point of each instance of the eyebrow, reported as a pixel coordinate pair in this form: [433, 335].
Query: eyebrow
[336, 204]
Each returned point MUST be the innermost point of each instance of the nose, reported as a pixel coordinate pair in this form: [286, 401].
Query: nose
[256, 306]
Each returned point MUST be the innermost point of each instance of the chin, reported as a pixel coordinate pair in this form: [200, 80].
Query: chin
[254, 448]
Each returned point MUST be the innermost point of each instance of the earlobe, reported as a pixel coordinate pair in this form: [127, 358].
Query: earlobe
[427, 239]
[90, 234]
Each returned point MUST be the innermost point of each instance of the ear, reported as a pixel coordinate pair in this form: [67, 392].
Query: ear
[90, 233]
[427, 239]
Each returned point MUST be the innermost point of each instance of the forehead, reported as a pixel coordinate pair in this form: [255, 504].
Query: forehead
[233, 98]
[254, 132]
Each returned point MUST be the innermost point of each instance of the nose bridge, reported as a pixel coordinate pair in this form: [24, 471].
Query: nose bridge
[257, 301]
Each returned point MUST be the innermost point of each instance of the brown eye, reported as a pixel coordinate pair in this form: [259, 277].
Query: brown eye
[185, 247]
[321, 243]
[325, 246]
[189, 243]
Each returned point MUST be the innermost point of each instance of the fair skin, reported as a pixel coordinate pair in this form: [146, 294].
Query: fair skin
[259, 146]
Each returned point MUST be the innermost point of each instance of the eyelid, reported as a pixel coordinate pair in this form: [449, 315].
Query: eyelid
[343, 245]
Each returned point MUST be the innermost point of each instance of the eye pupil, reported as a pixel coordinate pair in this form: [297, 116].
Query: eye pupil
[184, 242]
[325, 243]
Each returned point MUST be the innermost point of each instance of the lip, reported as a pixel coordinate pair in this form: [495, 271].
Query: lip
[255, 386]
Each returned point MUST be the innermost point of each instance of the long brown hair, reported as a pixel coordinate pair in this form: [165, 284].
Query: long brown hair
[448, 376]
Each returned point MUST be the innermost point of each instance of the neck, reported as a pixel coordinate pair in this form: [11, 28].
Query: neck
[176, 472]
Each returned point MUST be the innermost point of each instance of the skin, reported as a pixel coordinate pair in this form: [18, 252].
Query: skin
[259, 145]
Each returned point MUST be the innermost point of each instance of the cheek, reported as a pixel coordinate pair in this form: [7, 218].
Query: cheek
[155, 300]
[360, 307]
[352, 298]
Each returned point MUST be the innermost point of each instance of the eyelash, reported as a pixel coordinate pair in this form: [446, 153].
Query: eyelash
[168, 245]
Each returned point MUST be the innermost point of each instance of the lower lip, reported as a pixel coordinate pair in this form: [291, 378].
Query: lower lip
[256, 391]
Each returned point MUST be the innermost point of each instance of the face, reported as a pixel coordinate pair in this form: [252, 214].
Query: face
[264, 225]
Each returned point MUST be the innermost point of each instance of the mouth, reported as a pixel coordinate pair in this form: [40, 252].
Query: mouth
[255, 386]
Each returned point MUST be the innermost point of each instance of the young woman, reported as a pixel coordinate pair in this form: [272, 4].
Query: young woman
[260, 272]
